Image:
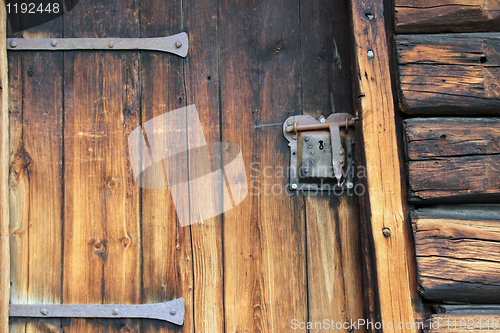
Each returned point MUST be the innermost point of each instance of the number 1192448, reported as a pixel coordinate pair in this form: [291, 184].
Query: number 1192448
[32, 8]
[471, 324]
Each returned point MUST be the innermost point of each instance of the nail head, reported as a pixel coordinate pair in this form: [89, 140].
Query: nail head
[370, 54]
[178, 44]
[53, 43]
[173, 312]
[13, 44]
[44, 311]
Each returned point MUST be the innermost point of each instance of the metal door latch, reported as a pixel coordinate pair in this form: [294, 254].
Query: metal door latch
[172, 311]
[317, 154]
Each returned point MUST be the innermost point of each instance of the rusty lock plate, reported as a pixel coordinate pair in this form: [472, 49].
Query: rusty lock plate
[318, 156]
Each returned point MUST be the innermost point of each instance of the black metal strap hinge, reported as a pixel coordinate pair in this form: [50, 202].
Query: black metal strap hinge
[177, 44]
[172, 311]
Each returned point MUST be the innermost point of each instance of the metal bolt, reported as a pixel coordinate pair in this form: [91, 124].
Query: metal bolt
[289, 123]
[306, 170]
[306, 138]
[341, 160]
[173, 312]
[178, 44]
[111, 45]
[341, 153]
[294, 186]
[44, 311]
[53, 43]
[13, 44]
[349, 185]
[322, 120]
[115, 312]
[370, 54]
[386, 232]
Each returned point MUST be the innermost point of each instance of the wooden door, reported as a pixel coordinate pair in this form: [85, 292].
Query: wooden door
[82, 231]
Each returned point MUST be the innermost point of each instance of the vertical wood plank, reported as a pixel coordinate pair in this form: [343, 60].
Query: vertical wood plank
[202, 89]
[167, 251]
[36, 193]
[264, 236]
[383, 206]
[4, 178]
[102, 240]
[333, 243]
[326, 57]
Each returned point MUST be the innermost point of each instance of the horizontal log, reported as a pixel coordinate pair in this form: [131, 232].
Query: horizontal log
[449, 74]
[457, 248]
[427, 16]
[453, 159]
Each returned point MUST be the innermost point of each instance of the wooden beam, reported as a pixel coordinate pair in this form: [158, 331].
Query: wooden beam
[457, 253]
[4, 178]
[384, 206]
[427, 16]
[449, 74]
[453, 159]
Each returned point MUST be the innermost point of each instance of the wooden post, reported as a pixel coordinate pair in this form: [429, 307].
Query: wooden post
[4, 177]
[393, 287]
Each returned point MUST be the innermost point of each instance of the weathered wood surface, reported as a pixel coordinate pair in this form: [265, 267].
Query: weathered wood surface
[257, 267]
[449, 74]
[457, 253]
[264, 236]
[102, 236]
[36, 179]
[202, 89]
[383, 207]
[167, 247]
[425, 16]
[453, 159]
[334, 266]
[4, 178]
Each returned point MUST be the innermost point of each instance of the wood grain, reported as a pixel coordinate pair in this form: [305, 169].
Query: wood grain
[383, 206]
[36, 193]
[202, 89]
[449, 74]
[424, 16]
[4, 179]
[428, 138]
[334, 263]
[453, 159]
[102, 239]
[264, 236]
[326, 57]
[167, 247]
[456, 249]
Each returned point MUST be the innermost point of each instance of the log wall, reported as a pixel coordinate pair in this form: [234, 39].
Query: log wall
[448, 82]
